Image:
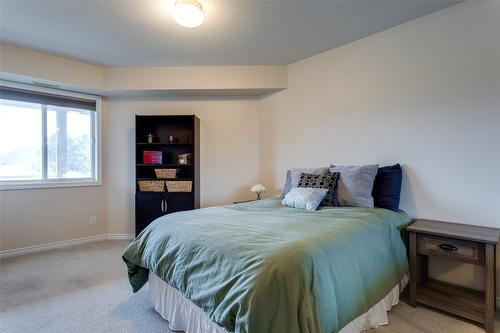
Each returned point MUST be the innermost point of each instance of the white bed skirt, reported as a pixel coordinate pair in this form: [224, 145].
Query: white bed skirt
[184, 315]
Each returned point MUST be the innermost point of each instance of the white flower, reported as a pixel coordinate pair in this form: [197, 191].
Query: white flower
[259, 188]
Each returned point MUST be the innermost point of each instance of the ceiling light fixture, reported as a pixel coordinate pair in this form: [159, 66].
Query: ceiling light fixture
[188, 13]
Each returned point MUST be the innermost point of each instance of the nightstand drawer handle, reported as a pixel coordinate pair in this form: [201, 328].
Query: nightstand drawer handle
[448, 247]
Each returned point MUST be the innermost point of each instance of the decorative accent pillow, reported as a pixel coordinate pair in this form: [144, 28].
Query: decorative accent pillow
[293, 176]
[328, 181]
[387, 187]
[304, 198]
[355, 185]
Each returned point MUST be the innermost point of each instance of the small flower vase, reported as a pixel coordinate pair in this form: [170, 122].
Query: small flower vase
[258, 195]
[150, 138]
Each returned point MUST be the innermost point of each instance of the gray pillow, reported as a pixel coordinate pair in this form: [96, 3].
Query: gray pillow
[288, 183]
[293, 176]
[355, 185]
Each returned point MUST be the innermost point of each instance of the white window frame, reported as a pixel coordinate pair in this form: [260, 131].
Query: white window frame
[96, 147]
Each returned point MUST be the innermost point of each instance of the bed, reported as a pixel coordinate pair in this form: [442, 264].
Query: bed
[261, 267]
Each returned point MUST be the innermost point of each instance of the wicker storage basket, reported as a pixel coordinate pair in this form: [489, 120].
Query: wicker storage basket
[166, 173]
[151, 185]
[179, 185]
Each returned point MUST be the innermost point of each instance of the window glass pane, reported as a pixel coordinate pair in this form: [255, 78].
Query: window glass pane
[69, 142]
[20, 140]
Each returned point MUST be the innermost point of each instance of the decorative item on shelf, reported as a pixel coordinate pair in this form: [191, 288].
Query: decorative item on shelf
[172, 139]
[150, 138]
[151, 185]
[166, 173]
[152, 157]
[183, 159]
[179, 185]
[258, 190]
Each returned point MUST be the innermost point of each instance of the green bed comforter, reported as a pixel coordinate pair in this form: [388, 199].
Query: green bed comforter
[259, 267]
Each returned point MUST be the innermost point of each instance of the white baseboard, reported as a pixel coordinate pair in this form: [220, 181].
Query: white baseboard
[119, 236]
[62, 244]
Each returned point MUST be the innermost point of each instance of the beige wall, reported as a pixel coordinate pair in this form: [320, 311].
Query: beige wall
[34, 217]
[26, 65]
[425, 94]
[229, 150]
[223, 78]
[41, 66]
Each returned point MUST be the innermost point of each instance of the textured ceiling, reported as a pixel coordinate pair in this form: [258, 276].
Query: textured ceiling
[143, 33]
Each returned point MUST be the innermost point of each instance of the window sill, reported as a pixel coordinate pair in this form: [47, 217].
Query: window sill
[6, 186]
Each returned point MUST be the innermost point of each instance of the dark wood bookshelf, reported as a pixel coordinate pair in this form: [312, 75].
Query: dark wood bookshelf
[163, 144]
[164, 165]
[186, 132]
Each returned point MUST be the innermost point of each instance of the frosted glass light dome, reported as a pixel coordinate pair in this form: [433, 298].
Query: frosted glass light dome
[188, 13]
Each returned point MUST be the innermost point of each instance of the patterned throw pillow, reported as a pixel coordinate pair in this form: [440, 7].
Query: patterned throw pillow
[304, 198]
[328, 181]
[293, 176]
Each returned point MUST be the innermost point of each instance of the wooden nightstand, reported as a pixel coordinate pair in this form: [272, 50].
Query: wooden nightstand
[460, 242]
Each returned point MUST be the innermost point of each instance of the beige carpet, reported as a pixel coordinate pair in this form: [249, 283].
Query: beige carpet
[84, 289]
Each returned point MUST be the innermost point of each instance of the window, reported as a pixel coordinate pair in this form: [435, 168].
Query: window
[48, 138]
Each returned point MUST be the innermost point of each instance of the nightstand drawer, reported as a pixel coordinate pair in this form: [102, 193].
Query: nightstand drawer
[455, 249]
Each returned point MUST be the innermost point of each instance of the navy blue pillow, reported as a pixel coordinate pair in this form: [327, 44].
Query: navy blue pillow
[387, 187]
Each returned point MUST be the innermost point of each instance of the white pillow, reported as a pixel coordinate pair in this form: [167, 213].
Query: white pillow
[304, 198]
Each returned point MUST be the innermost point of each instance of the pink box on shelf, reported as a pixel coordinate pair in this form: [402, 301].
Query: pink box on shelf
[152, 157]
